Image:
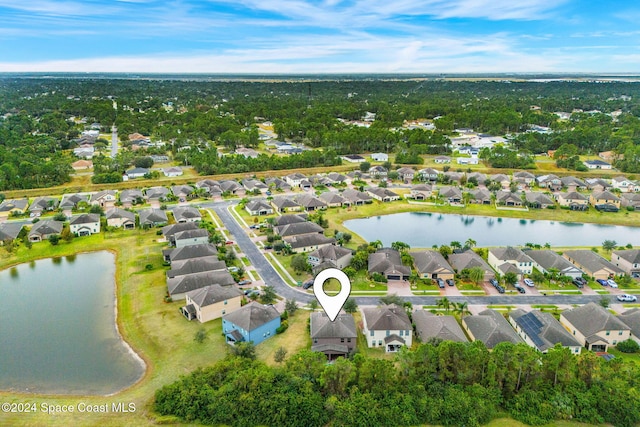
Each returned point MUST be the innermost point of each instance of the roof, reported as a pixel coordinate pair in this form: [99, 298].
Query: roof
[43, 203]
[510, 254]
[137, 171]
[481, 194]
[446, 328]
[306, 240]
[573, 195]
[331, 252]
[331, 197]
[630, 255]
[631, 318]
[189, 282]
[120, 213]
[386, 260]
[491, 328]
[597, 162]
[309, 201]
[169, 230]
[258, 205]
[84, 219]
[186, 212]
[430, 262]
[191, 251]
[386, 318]
[450, 192]
[47, 226]
[190, 234]
[284, 202]
[182, 189]
[592, 318]
[70, 200]
[156, 192]
[10, 230]
[355, 195]
[382, 192]
[468, 259]
[252, 316]
[212, 294]
[605, 195]
[297, 228]
[342, 327]
[197, 265]
[101, 194]
[592, 261]
[130, 195]
[152, 215]
[289, 219]
[543, 329]
[10, 204]
[534, 196]
[549, 259]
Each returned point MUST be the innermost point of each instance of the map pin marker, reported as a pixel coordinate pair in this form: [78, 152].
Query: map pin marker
[332, 304]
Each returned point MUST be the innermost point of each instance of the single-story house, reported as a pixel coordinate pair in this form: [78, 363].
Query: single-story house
[477, 177]
[491, 328]
[450, 194]
[82, 164]
[542, 331]
[333, 199]
[594, 326]
[43, 229]
[169, 231]
[353, 158]
[468, 260]
[388, 262]
[189, 252]
[309, 202]
[333, 338]
[121, 218]
[481, 196]
[136, 173]
[551, 181]
[285, 204]
[356, 197]
[571, 183]
[251, 184]
[501, 179]
[211, 302]
[380, 157]
[85, 224]
[71, 201]
[232, 187]
[182, 192]
[406, 174]
[186, 214]
[593, 264]
[524, 177]
[9, 231]
[546, 260]
[297, 228]
[105, 198]
[383, 194]
[378, 172]
[432, 265]
[277, 184]
[597, 164]
[445, 328]
[43, 204]
[387, 326]
[442, 159]
[152, 217]
[538, 200]
[308, 242]
[172, 171]
[10, 207]
[131, 197]
[157, 193]
[252, 323]
[630, 200]
[507, 198]
[420, 192]
[258, 207]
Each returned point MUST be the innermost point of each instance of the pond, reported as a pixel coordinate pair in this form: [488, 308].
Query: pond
[58, 329]
[424, 229]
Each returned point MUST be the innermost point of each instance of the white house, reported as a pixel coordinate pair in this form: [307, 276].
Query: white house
[85, 224]
[388, 327]
[380, 157]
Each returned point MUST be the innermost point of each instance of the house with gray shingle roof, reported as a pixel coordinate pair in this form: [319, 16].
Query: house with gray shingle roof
[594, 326]
[183, 192]
[481, 196]
[195, 265]
[189, 252]
[537, 200]
[546, 260]
[420, 192]
[43, 229]
[542, 331]
[387, 261]
[387, 326]
[85, 224]
[334, 256]
[104, 198]
[211, 302]
[604, 198]
[428, 174]
[43, 204]
[9, 231]
[334, 339]
[507, 198]
[197, 236]
[210, 186]
[468, 260]
[186, 214]
[157, 193]
[121, 218]
[451, 194]
[131, 197]
[510, 255]
[630, 200]
[356, 197]
[627, 260]
[283, 220]
[491, 328]
[285, 204]
[406, 174]
[152, 217]
[309, 202]
[297, 228]
[631, 318]
[308, 242]
[251, 184]
[445, 328]
[573, 200]
[432, 265]
[258, 207]
[333, 199]
[383, 194]
[252, 323]
[592, 264]
[572, 183]
[277, 184]
[179, 286]
[169, 231]
[71, 201]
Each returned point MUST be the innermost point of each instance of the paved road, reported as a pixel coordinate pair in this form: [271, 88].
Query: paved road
[271, 277]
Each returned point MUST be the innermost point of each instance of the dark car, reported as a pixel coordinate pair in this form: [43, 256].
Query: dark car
[500, 289]
[307, 284]
[493, 282]
[602, 282]
[440, 283]
[578, 283]
[519, 288]
[450, 282]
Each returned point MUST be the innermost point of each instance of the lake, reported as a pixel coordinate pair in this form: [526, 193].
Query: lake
[425, 229]
[57, 328]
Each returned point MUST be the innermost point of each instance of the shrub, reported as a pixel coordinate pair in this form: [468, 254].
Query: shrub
[284, 325]
[628, 346]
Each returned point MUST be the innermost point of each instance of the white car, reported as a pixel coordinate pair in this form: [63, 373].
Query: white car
[529, 282]
[612, 283]
[627, 298]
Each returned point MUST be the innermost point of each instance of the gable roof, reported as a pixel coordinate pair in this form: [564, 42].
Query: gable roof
[152, 215]
[491, 328]
[592, 318]
[190, 251]
[543, 329]
[306, 240]
[309, 201]
[258, 205]
[252, 316]
[10, 230]
[592, 261]
[344, 326]
[631, 318]
[130, 195]
[197, 265]
[212, 294]
[430, 262]
[186, 212]
[386, 260]
[42, 203]
[156, 192]
[549, 259]
[120, 213]
[468, 259]
[47, 226]
[629, 255]
[297, 228]
[330, 252]
[386, 318]
[84, 219]
[446, 328]
[332, 197]
[510, 253]
[169, 230]
[102, 194]
[189, 282]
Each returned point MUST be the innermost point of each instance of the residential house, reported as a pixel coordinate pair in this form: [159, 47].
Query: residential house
[232, 188]
[477, 177]
[593, 264]
[420, 192]
[337, 178]
[285, 204]
[283, 220]
[388, 262]
[183, 192]
[538, 200]
[211, 187]
[309, 202]
[507, 198]
[430, 327]
[442, 159]
[624, 184]
[510, 255]
[277, 184]
[252, 323]
[330, 256]
[594, 327]
[597, 164]
[131, 197]
[573, 200]
[383, 194]
[10, 207]
[121, 218]
[43, 204]
[198, 236]
[355, 197]
[195, 265]
[169, 231]
[501, 179]
[453, 177]
[308, 242]
[542, 331]
[172, 171]
[406, 174]
[627, 260]
[432, 265]
[335, 338]
[353, 158]
[159, 194]
[152, 218]
[597, 184]
[43, 229]
[524, 177]
[481, 196]
[9, 231]
[258, 207]
[548, 261]
[571, 183]
[211, 302]
[387, 326]
[428, 174]
[179, 286]
[297, 228]
[599, 198]
[135, 173]
[82, 164]
[186, 214]
[306, 185]
[551, 181]
[105, 198]
[378, 172]
[254, 185]
[85, 224]
[491, 328]
[72, 201]
[468, 260]
[380, 157]
[357, 175]
[247, 152]
[295, 179]
[631, 318]
[184, 253]
[630, 200]
[333, 199]
[450, 194]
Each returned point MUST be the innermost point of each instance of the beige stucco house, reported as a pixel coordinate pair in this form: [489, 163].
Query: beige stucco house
[594, 326]
[211, 302]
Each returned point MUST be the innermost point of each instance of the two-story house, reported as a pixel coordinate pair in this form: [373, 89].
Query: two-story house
[387, 327]
[211, 302]
[498, 257]
[627, 260]
[333, 338]
[252, 323]
[594, 327]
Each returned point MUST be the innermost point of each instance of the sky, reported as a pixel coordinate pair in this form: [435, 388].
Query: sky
[311, 36]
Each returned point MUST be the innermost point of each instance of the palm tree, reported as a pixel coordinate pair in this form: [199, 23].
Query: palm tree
[476, 274]
[462, 309]
[470, 243]
[455, 244]
[444, 303]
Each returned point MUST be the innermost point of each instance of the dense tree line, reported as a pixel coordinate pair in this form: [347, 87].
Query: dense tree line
[443, 383]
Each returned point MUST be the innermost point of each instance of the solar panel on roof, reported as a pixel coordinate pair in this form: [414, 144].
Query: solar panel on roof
[532, 326]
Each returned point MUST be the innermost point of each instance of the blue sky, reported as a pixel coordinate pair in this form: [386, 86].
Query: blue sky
[330, 36]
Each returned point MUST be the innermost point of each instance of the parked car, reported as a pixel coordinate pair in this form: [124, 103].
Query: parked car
[440, 283]
[602, 282]
[307, 284]
[250, 292]
[627, 298]
[578, 283]
[500, 289]
[612, 283]
[493, 282]
[529, 282]
[519, 288]
[450, 282]
[244, 282]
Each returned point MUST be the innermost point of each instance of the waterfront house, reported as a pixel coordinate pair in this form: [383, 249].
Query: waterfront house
[169, 231]
[189, 252]
[432, 265]
[43, 229]
[627, 260]
[538, 200]
[604, 198]
[383, 194]
[498, 257]
[387, 261]
[85, 224]
[546, 261]
[594, 327]
[211, 302]
[179, 286]
[468, 260]
[198, 236]
[593, 264]
[573, 200]
[9, 231]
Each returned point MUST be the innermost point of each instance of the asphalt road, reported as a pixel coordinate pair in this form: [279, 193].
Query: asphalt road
[271, 277]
